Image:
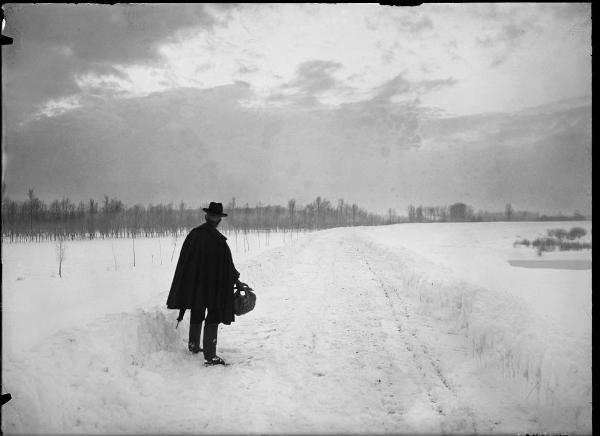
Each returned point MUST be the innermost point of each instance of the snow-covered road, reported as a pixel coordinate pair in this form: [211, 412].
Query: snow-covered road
[337, 343]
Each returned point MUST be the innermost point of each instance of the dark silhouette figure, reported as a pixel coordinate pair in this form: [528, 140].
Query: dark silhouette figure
[204, 282]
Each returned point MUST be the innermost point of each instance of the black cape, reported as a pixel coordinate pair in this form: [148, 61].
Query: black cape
[205, 275]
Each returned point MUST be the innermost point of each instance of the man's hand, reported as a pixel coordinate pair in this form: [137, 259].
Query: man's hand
[241, 285]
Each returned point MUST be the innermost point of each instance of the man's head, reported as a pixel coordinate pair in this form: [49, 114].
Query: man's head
[214, 213]
[212, 219]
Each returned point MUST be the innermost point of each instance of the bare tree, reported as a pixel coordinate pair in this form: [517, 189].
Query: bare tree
[508, 211]
[292, 213]
[174, 240]
[133, 245]
[318, 203]
[354, 213]
[112, 244]
[31, 197]
[61, 248]
[419, 214]
[340, 212]
[391, 216]
[181, 220]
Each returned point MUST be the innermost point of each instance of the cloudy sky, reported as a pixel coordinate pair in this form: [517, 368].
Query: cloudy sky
[379, 105]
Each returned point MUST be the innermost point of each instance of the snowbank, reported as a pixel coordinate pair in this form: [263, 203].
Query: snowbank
[551, 368]
[77, 372]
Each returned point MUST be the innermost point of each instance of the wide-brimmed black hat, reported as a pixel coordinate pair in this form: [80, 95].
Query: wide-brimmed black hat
[215, 209]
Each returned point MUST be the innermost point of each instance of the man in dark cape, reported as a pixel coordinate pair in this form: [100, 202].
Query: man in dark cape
[204, 280]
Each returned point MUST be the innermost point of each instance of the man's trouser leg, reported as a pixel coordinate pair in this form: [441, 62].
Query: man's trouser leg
[196, 319]
[211, 328]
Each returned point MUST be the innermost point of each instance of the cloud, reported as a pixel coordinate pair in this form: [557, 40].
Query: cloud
[314, 77]
[244, 68]
[415, 24]
[43, 73]
[485, 42]
[387, 57]
[86, 137]
[396, 86]
[279, 99]
[203, 67]
[102, 33]
[311, 81]
[512, 32]
[504, 40]
[400, 86]
[159, 143]
[429, 85]
[536, 159]
[192, 145]
[55, 43]
[376, 125]
[517, 129]
[498, 60]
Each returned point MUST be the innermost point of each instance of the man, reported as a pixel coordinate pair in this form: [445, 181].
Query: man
[203, 282]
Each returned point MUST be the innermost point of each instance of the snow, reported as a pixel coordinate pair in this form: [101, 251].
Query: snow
[397, 329]
[479, 253]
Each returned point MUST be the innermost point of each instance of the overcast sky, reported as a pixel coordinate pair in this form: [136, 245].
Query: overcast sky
[383, 106]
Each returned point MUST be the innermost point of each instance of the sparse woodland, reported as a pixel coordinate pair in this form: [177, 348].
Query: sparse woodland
[33, 220]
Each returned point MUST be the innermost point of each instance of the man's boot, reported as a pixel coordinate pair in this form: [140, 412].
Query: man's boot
[210, 345]
[194, 338]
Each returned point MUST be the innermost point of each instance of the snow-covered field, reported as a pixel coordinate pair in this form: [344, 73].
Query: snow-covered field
[405, 328]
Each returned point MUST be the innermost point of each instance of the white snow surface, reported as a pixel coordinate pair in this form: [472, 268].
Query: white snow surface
[397, 329]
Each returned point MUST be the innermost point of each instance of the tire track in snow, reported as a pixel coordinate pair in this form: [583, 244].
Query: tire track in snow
[317, 278]
[392, 385]
[432, 376]
[409, 345]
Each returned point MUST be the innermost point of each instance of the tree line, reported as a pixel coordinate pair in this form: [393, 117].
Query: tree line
[34, 220]
[461, 212]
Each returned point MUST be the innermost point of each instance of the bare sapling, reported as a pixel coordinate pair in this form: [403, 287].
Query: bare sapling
[61, 247]
[114, 255]
[160, 250]
[174, 240]
[133, 247]
[246, 242]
